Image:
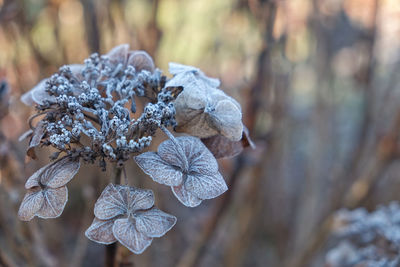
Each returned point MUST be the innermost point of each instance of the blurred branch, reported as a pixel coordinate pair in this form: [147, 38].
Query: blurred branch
[91, 25]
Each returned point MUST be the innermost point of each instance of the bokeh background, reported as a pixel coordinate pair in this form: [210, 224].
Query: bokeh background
[319, 84]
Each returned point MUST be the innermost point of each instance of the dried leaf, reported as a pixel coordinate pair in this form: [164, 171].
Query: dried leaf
[32, 202]
[154, 222]
[110, 204]
[119, 54]
[37, 136]
[60, 172]
[206, 186]
[141, 60]
[125, 232]
[54, 202]
[101, 231]
[159, 170]
[185, 197]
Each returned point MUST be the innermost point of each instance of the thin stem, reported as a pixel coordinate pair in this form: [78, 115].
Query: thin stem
[111, 250]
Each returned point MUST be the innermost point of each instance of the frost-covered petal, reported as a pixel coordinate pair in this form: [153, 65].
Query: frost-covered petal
[110, 203]
[60, 172]
[118, 54]
[125, 232]
[185, 197]
[32, 202]
[176, 68]
[154, 222]
[159, 170]
[33, 180]
[206, 186]
[54, 202]
[199, 158]
[227, 118]
[139, 199]
[101, 231]
[141, 60]
[37, 136]
[39, 94]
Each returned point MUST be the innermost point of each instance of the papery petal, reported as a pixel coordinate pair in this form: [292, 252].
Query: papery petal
[32, 202]
[101, 231]
[141, 60]
[176, 68]
[110, 203]
[227, 118]
[206, 186]
[25, 135]
[185, 197]
[39, 94]
[222, 147]
[119, 54]
[27, 99]
[60, 172]
[159, 170]
[37, 136]
[54, 202]
[173, 155]
[139, 199]
[154, 222]
[125, 232]
[33, 180]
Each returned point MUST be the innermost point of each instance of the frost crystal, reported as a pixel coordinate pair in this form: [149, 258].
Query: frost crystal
[128, 215]
[188, 167]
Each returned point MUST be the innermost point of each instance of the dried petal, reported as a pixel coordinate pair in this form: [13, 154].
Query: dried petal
[25, 135]
[33, 180]
[37, 94]
[54, 202]
[37, 136]
[31, 203]
[139, 199]
[60, 172]
[110, 203]
[185, 197]
[101, 231]
[154, 222]
[222, 147]
[159, 170]
[199, 158]
[141, 60]
[125, 232]
[176, 69]
[118, 54]
[206, 186]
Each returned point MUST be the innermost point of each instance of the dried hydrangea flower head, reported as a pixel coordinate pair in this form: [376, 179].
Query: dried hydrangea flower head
[366, 239]
[87, 112]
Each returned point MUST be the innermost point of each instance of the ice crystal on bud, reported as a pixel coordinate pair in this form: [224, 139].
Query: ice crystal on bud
[47, 192]
[127, 214]
[188, 167]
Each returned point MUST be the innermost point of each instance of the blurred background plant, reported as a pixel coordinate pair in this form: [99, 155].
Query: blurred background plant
[318, 81]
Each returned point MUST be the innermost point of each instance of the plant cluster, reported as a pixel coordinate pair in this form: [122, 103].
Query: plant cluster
[88, 113]
[367, 239]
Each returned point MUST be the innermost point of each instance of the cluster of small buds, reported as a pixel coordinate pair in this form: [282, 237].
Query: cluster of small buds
[88, 113]
[366, 239]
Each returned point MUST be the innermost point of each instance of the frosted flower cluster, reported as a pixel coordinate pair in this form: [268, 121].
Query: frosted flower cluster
[367, 239]
[88, 113]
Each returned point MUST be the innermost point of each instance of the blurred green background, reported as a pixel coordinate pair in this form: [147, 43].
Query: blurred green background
[319, 85]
